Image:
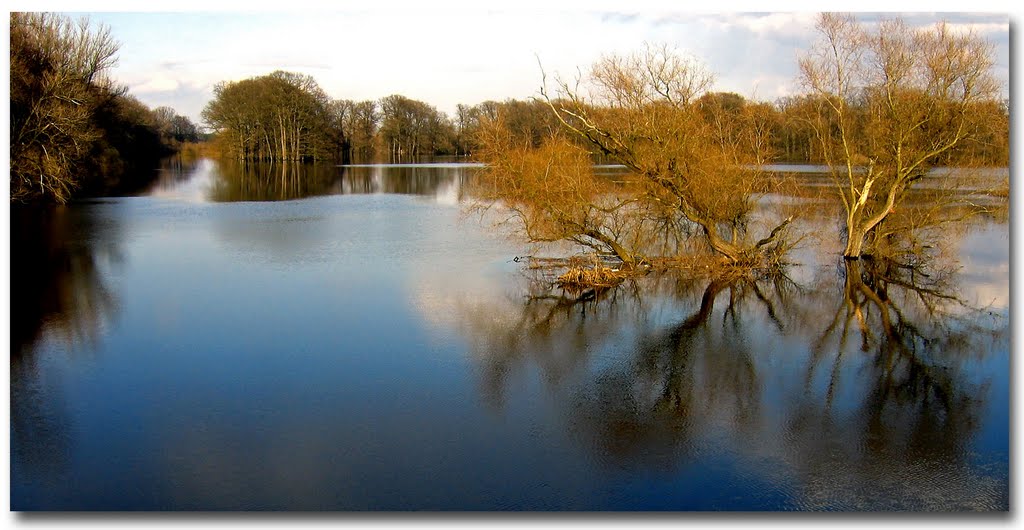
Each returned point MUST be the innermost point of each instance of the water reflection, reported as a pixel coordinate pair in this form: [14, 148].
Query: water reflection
[651, 410]
[207, 180]
[446, 182]
[374, 352]
[860, 390]
[58, 295]
[57, 288]
[240, 181]
[891, 392]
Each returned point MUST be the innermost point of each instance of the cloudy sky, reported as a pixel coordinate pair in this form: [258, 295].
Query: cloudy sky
[455, 52]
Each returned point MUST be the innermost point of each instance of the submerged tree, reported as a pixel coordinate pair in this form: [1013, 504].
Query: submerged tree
[410, 128]
[552, 193]
[694, 159]
[358, 123]
[890, 104]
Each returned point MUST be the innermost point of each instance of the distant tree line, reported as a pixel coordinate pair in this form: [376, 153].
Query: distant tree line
[287, 116]
[73, 130]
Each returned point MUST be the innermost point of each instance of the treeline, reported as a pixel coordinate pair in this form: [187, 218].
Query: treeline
[795, 138]
[73, 130]
[287, 116]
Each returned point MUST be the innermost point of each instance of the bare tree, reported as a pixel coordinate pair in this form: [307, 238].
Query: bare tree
[57, 82]
[410, 128]
[890, 104]
[698, 162]
[552, 193]
[279, 116]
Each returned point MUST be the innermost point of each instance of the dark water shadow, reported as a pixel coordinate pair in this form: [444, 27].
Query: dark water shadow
[59, 295]
[57, 285]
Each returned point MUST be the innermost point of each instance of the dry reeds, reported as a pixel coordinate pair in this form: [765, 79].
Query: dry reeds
[598, 276]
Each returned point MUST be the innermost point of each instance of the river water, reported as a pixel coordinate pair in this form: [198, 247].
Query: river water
[353, 339]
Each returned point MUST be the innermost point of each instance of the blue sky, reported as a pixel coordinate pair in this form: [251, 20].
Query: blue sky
[456, 52]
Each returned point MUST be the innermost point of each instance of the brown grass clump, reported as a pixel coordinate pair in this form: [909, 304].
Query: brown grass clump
[597, 276]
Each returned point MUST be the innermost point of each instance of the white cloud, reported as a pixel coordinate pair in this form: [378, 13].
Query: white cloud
[156, 84]
[451, 56]
[771, 24]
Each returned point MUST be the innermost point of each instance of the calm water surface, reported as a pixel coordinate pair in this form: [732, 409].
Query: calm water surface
[349, 339]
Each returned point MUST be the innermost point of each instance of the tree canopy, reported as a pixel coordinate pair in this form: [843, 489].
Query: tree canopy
[693, 154]
[891, 103]
[279, 116]
[73, 130]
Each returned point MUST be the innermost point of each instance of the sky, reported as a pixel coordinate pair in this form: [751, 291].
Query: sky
[453, 53]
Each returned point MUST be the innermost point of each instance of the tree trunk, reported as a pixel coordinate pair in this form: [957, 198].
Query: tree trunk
[627, 257]
[858, 227]
[296, 141]
[732, 252]
[284, 138]
[854, 245]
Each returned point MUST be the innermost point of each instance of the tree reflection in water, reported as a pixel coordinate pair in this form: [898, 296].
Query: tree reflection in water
[58, 294]
[57, 288]
[279, 181]
[903, 344]
[853, 391]
[233, 181]
[438, 181]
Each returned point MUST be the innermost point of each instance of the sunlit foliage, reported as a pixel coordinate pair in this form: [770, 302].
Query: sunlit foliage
[891, 103]
[693, 155]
